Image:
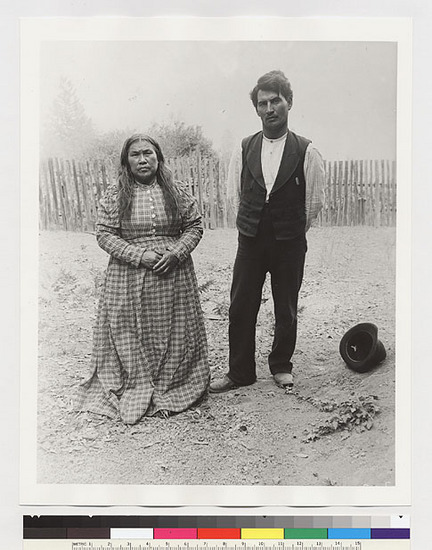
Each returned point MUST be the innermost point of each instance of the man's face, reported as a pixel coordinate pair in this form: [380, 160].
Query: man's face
[273, 108]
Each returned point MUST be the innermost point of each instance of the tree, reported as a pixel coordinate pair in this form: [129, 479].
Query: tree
[68, 131]
[177, 139]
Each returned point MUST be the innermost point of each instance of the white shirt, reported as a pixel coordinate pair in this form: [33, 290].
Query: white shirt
[271, 156]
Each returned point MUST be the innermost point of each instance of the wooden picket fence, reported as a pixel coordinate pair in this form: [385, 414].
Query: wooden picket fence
[205, 179]
[360, 192]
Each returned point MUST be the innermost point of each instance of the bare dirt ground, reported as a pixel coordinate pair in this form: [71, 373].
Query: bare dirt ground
[336, 428]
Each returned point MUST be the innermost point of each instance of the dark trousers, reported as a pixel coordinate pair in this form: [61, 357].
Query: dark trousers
[256, 256]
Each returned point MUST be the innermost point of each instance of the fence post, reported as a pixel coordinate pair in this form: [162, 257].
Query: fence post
[338, 189]
[46, 208]
[200, 190]
[361, 193]
[394, 190]
[368, 183]
[347, 194]
[222, 207]
[88, 194]
[377, 193]
[60, 187]
[333, 184]
[212, 206]
[357, 192]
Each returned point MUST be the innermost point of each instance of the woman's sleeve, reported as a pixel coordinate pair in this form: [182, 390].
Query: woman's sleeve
[191, 226]
[108, 231]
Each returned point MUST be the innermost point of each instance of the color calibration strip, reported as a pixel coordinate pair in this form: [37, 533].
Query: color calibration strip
[216, 528]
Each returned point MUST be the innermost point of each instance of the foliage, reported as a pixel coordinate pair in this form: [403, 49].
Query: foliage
[107, 146]
[349, 415]
[178, 140]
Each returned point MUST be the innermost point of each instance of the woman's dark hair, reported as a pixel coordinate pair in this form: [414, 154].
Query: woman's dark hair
[163, 176]
[274, 81]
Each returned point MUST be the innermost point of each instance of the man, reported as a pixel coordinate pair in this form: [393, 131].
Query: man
[281, 192]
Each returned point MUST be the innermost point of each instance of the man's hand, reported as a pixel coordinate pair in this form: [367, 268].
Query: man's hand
[150, 258]
[166, 264]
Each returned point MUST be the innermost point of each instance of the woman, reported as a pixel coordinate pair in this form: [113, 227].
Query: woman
[150, 348]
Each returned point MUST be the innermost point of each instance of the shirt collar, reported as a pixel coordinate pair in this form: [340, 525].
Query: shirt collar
[276, 140]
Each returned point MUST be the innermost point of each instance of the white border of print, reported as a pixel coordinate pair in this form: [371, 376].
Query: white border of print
[34, 31]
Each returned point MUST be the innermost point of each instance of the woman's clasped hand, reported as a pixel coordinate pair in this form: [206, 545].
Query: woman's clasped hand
[161, 262]
[166, 264]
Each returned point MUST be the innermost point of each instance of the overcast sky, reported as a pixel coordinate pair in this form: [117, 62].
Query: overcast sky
[344, 92]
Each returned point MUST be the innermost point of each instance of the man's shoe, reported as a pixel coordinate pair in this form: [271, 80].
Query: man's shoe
[222, 385]
[284, 379]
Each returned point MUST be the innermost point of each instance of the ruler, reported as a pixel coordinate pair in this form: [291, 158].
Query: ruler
[368, 544]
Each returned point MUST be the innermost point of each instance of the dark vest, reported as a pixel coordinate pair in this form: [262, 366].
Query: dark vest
[287, 198]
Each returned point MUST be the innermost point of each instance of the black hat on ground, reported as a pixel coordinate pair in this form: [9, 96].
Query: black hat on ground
[360, 348]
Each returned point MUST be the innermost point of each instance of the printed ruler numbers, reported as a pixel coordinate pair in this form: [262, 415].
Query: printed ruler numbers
[392, 544]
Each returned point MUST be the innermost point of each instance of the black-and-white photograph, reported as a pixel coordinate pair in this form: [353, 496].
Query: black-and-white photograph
[219, 232]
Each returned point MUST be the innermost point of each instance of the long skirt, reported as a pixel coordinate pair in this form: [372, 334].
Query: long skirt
[150, 347]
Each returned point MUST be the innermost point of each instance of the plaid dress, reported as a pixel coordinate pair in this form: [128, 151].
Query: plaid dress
[150, 347]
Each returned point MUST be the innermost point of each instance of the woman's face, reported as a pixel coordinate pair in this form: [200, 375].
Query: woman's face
[143, 161]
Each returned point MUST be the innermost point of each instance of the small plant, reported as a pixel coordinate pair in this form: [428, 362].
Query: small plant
[65, 281]
[222, 310]
[98, 278]
[349, 415]
[205, 286]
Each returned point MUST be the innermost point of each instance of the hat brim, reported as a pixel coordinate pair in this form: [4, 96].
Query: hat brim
[360, 348]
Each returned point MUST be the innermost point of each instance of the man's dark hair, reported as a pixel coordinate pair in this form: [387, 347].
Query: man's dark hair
[274, 81]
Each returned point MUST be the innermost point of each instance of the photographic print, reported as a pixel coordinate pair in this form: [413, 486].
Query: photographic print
[216, 262]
